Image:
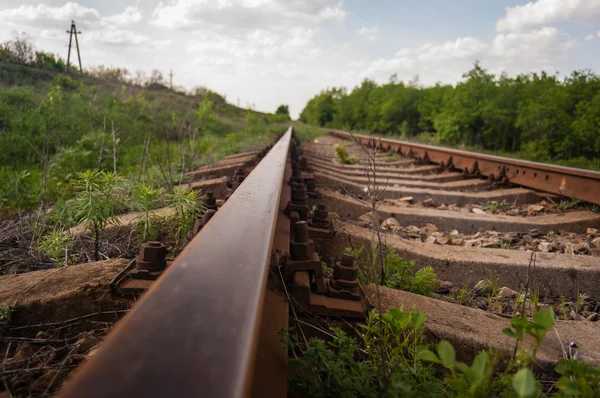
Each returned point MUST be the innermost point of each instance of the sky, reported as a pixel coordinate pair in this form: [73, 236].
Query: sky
[263, 53]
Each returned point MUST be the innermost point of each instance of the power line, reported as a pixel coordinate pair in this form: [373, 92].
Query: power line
[74, 32]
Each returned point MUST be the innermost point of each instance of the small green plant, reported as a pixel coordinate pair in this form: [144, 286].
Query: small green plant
[534, 298]
[461, 296]
[399, 272]
[564, 307]
[494, 207]
[5, 314]
[580, 302]
[188, 204]
[98, 202]
[542, 323]
[489, 287]
[16, 192]
[343, 156]
[327, 271]
[394, 157]
[550, 233]
[57, 244]
[380, 361]
[578, 379]
[519, 301]
[385, 357]
[144, 198]
[566, 204]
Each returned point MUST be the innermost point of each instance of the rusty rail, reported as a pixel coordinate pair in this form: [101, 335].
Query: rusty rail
[566, 181]
[195, 332]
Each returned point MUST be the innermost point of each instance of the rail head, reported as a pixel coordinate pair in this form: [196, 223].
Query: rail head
[560, 180]
[194, 332]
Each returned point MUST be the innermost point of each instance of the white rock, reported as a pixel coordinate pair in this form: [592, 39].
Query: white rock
[431, 240]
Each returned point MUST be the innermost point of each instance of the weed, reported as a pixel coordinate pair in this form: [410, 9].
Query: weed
[461, 296]
[489, 287]
[566, 204]
[494, 207]
[327, 271]
[534, 298]
[144, 198]
[98, 202]
[550, 233]
[5, 314]
[580, 302]
[57, 245]
[564, 307]
[542, 323]
[385, 357]
[394, 157]
[399, 272]
[187, 204]
[343, 156]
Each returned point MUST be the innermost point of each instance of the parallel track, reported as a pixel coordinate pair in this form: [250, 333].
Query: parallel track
[565, 181]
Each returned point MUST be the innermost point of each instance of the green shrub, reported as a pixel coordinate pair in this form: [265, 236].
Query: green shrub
[98, 202]
[144, 197]
[386, 357]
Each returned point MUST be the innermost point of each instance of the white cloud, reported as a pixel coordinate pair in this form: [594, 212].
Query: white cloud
[514, 52]
[43, 16]
[369, 32]
[546, 12]
[387, 66]
[463, 47]
[245, 14]
[589, 37]
[540, 45]
[118, 37]
[130, 15]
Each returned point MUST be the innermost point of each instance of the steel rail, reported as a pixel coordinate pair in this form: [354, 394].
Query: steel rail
[195, 332]
[566, 181]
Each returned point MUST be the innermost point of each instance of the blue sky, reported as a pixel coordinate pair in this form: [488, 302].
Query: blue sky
[268, 52]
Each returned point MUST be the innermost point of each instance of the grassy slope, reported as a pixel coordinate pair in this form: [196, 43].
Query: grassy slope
[70, 119]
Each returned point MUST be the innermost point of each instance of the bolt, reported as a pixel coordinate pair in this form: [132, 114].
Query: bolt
[311, 186]
[153, 251]
[211, 201]
[303, 163]
[152, 256]
[294, 218]
[344, 278]
[298, 193]
[301, 232]
[238, 181]
[347, 260]
[302, 248]
[208, 215]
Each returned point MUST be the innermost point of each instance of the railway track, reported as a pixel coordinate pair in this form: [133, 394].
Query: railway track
[209, 325]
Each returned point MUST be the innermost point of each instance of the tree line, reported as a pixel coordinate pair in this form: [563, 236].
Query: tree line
[536, 116]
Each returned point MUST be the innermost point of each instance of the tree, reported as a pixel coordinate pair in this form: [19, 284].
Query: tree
[156, 77]
[283, 110]
[22, 49]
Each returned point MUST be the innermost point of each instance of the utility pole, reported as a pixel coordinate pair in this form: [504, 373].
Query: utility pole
[73, 32]
[171, 78]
